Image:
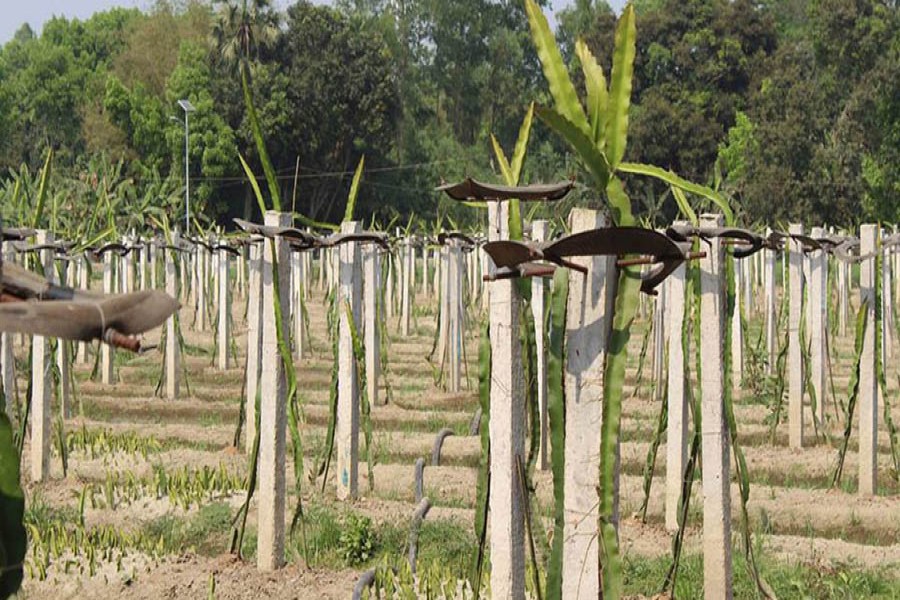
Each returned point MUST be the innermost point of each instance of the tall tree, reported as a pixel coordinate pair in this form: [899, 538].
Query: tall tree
[240, 29]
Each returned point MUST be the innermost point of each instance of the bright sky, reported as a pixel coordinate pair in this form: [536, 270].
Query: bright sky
[36, 12]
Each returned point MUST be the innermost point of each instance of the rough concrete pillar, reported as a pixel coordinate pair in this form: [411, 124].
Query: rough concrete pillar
[659, 342]
[273, 398]
[539, 233]
[588, 326]
[223, 360]
[887, 307]
[127, 273]
[254, 340]
[371, 287]
[389, 288]
[795, 364]
[771, 311]
[241, 272]
[143, 247]
[406, 288]
[347, 429]
[41, 432]
[507, 430]
[444, 307]
[455, 279]
[7, 357]
[818, 323]
[152, 252]
[426, 280]
[843, 273]
[63, 351]
[868, 384]
[298, 282]
[84, 283]
[677, 432]
[106, 351]
[202, 283]
[173, 349]
[737, 329]
[716, 449]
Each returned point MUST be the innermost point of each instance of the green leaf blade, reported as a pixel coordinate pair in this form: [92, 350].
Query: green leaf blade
[616, 127]
[555, 71]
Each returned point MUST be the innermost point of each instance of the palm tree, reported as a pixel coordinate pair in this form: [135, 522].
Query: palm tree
[241, 28]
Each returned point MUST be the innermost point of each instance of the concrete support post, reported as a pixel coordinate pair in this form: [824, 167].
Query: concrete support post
[887, 306]
[298, 282]
[273, 398]
[507, 430]
[444, 307]
[795, 364]
[426, 280]
[371, 287]
[202, 283]
[771, 311]
[868, 384]
[406, 288]
[84, 283]
[588, 326]
[716, 449]
[347, 428]
[818, 291]
[142, 262]
[539, 233]
[41, 432]
[737, 329]
[127, 273]
[389, 288]
[677, 398]
[63, 352]
[223, 360]
[456, 277]
[843, 274]
[254, 340]
[7, 357]
[241, 272]
[106, 351]
[173, 349]
[659, 342]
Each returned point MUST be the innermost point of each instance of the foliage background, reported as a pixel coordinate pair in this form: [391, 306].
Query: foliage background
[795, 103]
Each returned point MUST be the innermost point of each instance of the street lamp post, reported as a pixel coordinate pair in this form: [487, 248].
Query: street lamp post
[188, 108]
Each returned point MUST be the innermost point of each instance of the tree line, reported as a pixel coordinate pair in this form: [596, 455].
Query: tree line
[790, 106]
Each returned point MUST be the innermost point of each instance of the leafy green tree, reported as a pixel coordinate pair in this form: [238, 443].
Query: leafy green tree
[212, 145]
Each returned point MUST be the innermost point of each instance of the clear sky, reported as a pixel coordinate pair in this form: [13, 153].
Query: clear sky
[35, 12]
